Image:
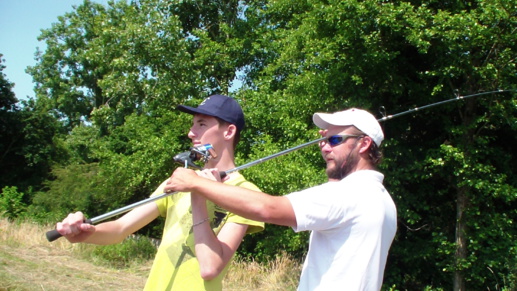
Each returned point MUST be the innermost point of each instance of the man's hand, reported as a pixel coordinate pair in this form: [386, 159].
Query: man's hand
[182, 180]
[323, 133]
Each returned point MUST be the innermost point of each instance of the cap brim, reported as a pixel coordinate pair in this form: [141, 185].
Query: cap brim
[317, 118]
[324, 120]
[192, 110]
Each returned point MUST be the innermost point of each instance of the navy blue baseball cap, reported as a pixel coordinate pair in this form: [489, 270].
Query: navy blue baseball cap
[219, 106]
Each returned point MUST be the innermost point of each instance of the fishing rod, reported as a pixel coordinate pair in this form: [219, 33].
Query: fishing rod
[203, 152]
[206, 152]
[457, 98]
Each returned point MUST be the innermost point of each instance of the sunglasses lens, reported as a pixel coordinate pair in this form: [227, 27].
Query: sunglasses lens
[335, 140]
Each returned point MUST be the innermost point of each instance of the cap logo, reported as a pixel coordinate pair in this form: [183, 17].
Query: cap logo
[204, 101]
[220, 106]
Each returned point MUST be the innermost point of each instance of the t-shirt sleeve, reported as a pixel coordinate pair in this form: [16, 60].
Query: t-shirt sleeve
[317, 208]
[254, 226]
[161, 203]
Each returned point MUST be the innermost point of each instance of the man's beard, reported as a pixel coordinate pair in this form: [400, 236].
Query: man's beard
[343, 167]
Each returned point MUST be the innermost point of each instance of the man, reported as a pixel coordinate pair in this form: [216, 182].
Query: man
[352, 217]
[199, 238]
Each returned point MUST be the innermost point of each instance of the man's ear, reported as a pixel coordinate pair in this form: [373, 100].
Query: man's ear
[365, 144]
[230, 132]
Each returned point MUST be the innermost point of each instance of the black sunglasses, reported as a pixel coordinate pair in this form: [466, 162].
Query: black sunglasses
[339, 139]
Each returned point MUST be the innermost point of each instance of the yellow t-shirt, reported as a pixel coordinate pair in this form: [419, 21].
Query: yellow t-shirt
[175, 266]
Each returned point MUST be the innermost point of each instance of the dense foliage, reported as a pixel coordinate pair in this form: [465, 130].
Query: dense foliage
[108, 82]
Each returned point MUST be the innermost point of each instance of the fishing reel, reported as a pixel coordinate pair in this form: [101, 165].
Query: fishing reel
[201, 153]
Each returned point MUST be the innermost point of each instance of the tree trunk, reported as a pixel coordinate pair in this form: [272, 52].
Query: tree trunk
[461, 239]
[462, 202]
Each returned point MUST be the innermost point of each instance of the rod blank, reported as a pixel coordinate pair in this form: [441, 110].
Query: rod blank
[54, 234]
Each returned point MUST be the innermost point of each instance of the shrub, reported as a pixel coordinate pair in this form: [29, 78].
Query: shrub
[132, 250]
[11, 203]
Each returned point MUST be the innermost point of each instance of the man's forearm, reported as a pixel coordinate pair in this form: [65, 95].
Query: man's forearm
[241, 201]
[247, 203]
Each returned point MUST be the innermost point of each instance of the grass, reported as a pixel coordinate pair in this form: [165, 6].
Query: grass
[29, 262]
[280, 274]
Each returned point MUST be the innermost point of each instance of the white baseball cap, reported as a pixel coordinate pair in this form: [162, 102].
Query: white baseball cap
[363, 120]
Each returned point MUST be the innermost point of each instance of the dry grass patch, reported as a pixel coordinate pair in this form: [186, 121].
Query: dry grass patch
[280, 274]
[29, 262]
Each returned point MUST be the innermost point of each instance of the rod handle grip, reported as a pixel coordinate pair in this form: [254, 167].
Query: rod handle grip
[52, 235]
[222, 174]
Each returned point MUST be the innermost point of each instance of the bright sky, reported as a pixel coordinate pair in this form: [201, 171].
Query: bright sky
[21, 22]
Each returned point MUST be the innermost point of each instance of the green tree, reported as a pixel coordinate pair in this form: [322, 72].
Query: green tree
[330, 55]
[10, 129]
[30, 142]
[112, 74]
[8, 99]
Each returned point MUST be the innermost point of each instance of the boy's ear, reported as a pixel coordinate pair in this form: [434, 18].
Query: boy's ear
[229, 133]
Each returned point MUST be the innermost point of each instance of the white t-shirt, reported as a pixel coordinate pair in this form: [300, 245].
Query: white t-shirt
[353, 223]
